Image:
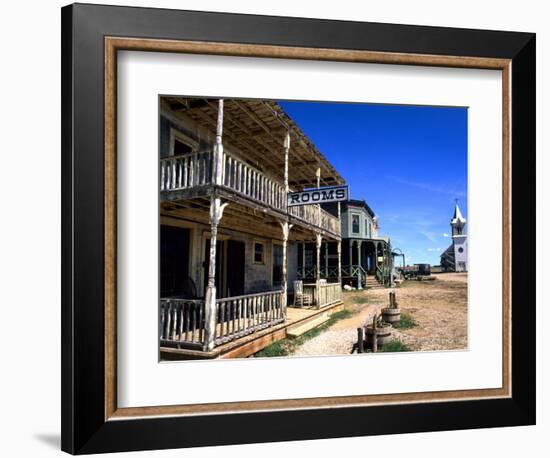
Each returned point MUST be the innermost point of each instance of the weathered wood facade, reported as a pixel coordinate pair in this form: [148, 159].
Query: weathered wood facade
[365, 256]
[229, 244]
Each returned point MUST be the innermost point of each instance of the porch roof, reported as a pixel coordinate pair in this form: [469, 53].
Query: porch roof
[257, 128]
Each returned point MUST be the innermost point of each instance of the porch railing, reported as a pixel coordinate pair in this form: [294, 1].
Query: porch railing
[182, 321]
[241, 315]
[192, 170]
[328, 293]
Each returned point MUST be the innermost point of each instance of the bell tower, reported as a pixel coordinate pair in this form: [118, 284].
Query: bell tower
[460, 241]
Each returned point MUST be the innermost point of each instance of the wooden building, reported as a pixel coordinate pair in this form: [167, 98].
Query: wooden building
[228, 241]
[367, 258]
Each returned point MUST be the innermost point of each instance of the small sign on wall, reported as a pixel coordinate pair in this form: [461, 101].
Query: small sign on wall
[318, 196]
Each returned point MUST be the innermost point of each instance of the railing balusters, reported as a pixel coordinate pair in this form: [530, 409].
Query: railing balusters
[233, 317]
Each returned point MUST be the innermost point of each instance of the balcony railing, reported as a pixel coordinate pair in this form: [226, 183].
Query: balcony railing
[192, 170]
[182, 321]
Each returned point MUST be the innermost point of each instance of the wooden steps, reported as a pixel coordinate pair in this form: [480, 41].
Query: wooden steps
[303, 326]
[372, 283]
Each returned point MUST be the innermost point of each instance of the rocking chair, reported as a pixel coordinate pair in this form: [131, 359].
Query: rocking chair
[301, 299]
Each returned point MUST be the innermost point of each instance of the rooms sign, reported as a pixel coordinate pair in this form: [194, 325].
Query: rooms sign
[318, 196]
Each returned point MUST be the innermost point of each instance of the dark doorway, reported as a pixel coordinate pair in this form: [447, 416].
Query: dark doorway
[174, 261]
[277, 265]
[235, 268]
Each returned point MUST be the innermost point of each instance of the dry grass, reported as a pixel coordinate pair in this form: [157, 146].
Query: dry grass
[439, 308]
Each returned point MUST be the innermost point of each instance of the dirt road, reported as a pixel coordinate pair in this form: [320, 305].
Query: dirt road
[439, 309]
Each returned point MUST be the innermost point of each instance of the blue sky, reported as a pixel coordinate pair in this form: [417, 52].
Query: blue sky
[408, 162]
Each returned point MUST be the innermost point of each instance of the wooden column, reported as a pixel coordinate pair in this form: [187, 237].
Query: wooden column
[303, 260]
[319, 241]
[216, 212]
[326, 260]
[287, 149]
[286, 229]
[339, 248]
[359, 286]
[350, 256]
[392, 284]
[318, 205]
[217, 163]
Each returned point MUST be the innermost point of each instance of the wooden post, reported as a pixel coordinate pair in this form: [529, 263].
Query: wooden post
[359, 286]
[339, 248]
[303, 260]
[326, 260]
[374, 336]
[319, 241]
[318, 173]
[287, 149]
[286, 229]
[360, 341]
[350, 257]
[392, 283]
[217, 163]
[216, 212]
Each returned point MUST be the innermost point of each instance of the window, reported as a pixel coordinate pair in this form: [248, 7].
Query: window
[181, 143]
[461, 250]
[181, 147]
[259, 253]
[355, 224]
[367, 231]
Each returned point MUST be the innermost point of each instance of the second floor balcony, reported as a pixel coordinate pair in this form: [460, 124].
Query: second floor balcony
[188, 175]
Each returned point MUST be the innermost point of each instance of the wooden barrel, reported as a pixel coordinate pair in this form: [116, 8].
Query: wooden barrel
[392, 316]
[383, 335]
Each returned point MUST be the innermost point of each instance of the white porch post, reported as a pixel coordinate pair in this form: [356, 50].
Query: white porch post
[350, 257]
[392, 283]
[216, 212]
[319, 241]
[286, 229]
[359, 243]
[217, 163]
[339, 248]
[326, 260]
[303, 260]
[287, 149]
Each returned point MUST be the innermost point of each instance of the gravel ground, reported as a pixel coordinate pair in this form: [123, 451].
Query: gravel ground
[340, 337]
[438, 307]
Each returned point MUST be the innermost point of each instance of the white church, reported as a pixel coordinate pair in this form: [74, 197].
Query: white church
[455, 258]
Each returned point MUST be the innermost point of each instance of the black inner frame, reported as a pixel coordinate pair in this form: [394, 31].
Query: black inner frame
[84, 429]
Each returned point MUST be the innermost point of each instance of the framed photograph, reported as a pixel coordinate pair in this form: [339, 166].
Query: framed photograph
[281, 228]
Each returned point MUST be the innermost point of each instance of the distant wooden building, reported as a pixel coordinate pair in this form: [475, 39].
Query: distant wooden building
[229, 245]
[367, 258]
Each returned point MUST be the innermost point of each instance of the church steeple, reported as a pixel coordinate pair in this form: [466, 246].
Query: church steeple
[455, 258]
[458, 222]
